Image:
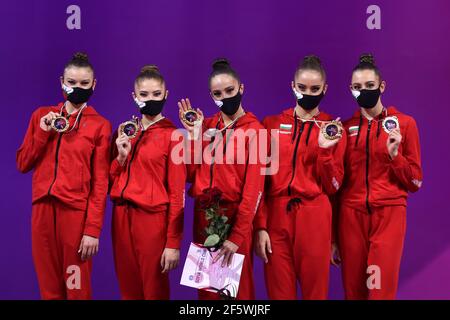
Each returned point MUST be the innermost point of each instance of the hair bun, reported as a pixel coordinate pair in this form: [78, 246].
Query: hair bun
[149, 71]
[312, 59]
[80, 56]
[367, 58]
[221, 64]
[150, 68]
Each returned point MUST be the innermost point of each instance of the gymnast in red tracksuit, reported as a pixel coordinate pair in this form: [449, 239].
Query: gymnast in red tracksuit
[147, 188]
[70, 183]
[241, 182]
[382, 164]
[294, 223]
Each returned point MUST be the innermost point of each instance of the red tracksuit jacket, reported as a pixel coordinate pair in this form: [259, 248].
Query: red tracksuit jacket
[305, 169]
[242, 183]
[371, 177]
[150, 179]
[72, 167]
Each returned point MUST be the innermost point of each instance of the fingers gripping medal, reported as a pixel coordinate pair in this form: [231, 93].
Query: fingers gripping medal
[190, 116]
[332, 130]
[390, 123]
[130, 128]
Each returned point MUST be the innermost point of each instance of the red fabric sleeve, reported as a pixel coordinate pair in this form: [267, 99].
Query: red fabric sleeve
[407, 165]
[33, 144]
[99, 182]
[334, 217]
[176, 180]
[260, 222]
[115, 168]
[330, 165]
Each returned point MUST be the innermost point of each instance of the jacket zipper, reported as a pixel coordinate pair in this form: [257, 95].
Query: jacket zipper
[129, 164]
[211, 168]
[294, 158]
[58, 144]
[211, 172]
[367, 165]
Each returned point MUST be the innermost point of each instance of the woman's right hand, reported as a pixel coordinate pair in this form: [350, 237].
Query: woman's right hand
[263, 246]
[123, 147]
[46, 121]
[185, 105]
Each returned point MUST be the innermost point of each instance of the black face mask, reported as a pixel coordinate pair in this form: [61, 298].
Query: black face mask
[150, 107]
[367, 99]
[78, 95]
[309, 102]
[230, 106]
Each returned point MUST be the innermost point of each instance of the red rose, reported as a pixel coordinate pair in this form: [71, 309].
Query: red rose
[209, 197]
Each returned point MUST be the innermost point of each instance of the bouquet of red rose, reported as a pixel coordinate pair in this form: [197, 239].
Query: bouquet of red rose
[218, 228]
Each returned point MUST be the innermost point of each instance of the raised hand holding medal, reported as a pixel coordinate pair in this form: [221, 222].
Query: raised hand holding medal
[46, 121]
[393, 142]
[191, 119]
[130, 128]
[123, 146]
[57, 122]
[391, 126]
[390, 123]
[330, 133]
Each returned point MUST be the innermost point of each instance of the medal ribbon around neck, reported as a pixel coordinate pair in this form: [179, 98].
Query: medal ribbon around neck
[324, 129]
[77, 118]
[217, 130]
[150, 124]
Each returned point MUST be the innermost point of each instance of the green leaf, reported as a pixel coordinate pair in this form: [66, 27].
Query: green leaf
[224, 219]
[208, 231]
[212, 240]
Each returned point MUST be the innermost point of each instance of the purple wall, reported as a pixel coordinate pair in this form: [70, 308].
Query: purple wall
[264, 40]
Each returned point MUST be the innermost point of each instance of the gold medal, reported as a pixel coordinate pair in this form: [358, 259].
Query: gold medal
[390, 123]
[130, 128]
[60, 124]
[332, 130]
[190, 116]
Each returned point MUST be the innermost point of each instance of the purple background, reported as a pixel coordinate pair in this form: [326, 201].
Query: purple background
[264, 41]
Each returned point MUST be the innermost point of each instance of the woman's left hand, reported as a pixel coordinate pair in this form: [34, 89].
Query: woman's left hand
[88, 247]
[393, 142]
[227, 251]
[170, 259]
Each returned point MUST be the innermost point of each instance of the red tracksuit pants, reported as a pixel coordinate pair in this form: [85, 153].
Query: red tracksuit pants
[246, 286]
[139, 239]
[56, 232]
[374, 239]
[301, 243]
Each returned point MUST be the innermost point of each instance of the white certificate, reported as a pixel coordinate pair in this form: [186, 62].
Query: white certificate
[199, 272]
